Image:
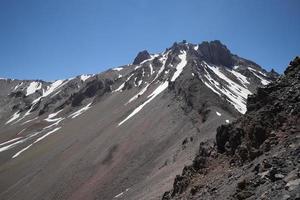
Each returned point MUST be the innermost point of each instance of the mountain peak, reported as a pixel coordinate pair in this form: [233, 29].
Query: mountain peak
[294, 67]
[216, 53]
[141, 56]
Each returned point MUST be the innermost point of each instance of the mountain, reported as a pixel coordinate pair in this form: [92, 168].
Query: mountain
[124, 133]
[255, 157]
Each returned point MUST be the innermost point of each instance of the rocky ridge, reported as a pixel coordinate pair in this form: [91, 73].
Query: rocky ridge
[254, 157]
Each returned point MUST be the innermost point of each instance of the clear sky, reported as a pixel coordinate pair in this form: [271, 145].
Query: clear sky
[55, 39]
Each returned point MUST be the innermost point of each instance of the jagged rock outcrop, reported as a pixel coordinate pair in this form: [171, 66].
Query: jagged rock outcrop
[142, 56]
[217, 53]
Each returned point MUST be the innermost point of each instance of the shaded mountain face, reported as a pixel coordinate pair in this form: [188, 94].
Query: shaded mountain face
[124, 133]
[256, 156]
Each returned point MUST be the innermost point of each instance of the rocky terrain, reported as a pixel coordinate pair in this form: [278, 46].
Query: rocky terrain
[127, 132]
[255, 157]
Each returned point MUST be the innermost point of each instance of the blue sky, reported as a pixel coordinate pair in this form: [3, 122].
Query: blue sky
[55, 39]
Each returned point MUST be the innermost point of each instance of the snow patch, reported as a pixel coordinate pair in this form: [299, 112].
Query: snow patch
[118, 68]
[81, 111]
[227, 121]
[84, 77]
[219, 114]
[33, 87]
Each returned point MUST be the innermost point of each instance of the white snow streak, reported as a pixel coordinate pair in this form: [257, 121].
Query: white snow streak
[50, 116]
[10, 146]
[29, 120]
[241, 77]
[47, 134]
[14, 117]
[118, 68]
[138, 94]
[19, 141]
[151, 68]
[156, 92]
[227, 121]
[36, 141]
[17, 86]
[79, 112]
[122, 85]
[180, 66]
[219, 114]
[121, 194]
[262, 80]
[10, 141]
[21, 151]
[140, 82]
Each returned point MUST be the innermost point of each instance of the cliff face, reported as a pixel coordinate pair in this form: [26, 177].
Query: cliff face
[255, 157]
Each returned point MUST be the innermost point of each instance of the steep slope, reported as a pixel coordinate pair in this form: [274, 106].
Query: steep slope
[256, 156]
[124, 133]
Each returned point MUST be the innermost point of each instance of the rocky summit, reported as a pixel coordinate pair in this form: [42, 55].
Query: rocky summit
[255, 157]
[127, 132]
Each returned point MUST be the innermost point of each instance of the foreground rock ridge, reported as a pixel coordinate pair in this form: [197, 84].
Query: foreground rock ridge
[127, 132]
[255, 157]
